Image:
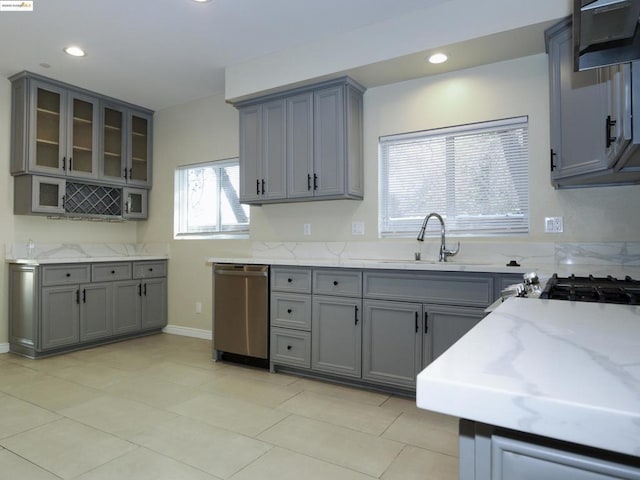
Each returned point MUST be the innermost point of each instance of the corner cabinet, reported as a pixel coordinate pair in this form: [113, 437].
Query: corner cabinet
[590, 122]
[62, 132]
[304, 144]
[62, 307]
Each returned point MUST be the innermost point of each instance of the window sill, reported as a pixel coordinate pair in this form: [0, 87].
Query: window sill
[212, 236]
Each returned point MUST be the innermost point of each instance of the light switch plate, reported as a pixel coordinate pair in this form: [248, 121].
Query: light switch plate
[553, 225]
[357, 228]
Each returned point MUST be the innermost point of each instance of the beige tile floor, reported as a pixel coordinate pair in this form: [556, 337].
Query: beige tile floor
[157, 408]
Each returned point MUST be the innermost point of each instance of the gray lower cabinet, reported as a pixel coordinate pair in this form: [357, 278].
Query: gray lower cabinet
[391, 342]
[443, 326]
[54, 308]
[491, 453]
[375, 327]
[336, 342]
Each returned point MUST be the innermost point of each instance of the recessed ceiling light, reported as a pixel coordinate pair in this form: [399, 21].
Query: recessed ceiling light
[438, 58]
[74, 51]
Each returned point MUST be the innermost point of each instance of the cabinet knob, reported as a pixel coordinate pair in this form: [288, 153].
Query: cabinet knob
[289, 310]
[151, 269]
[288, 347]
[68, 274]
[289, 280]
[113, 272]
[335, 283]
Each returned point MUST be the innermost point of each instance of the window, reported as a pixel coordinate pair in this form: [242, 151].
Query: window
[476, 176]
[206, 200]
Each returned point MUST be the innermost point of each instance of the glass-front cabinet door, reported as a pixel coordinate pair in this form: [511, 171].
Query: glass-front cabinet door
[139, 149]
[114, 147]
[48, 145]
[48, 195]
[65, 140]
[82, 147]
[134, 203]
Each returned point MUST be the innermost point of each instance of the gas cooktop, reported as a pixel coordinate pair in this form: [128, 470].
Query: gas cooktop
[593, 289]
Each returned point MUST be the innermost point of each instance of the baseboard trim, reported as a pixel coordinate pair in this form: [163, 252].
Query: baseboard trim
[4, 348]
[188, 332]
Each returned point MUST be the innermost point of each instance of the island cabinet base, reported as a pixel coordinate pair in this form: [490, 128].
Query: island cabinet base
[492, 453]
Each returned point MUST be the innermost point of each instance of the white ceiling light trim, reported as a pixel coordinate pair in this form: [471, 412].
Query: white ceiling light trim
[438, 58]
[74, 51]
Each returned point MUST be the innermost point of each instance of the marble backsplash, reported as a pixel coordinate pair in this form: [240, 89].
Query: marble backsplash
[532, 253]
[48, 251]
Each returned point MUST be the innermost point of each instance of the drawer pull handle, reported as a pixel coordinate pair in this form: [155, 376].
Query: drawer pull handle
[68, 274]
[151, 269]
[289, 280]
[335, 283]
[289, 310]
[288, 347]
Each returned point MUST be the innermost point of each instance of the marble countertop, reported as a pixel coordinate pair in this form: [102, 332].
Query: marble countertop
[565, 370]
[46, 254]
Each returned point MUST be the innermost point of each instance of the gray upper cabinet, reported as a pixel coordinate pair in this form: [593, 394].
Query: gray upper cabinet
[55, 130]
[262, 152]
[318, 153]
[126, 145]
[96, 143]
[590, 123]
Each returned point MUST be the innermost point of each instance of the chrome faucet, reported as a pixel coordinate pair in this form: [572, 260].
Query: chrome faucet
[444, 253]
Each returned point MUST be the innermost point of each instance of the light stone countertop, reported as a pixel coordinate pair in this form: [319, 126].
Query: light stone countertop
[560, 369]
[46, 254]
[65, 260]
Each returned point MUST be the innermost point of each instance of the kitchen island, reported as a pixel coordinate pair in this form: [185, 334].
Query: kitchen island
[546, 389]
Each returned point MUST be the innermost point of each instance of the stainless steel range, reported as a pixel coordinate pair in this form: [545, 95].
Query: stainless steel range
[593, 289]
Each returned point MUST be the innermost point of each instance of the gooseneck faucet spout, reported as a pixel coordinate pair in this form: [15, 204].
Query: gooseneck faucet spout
[444, 253]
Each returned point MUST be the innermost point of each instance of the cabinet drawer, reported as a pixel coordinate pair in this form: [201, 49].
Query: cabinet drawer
[291, 279]
[291, 347]
[337, 282]
[291, 311]
[65, 274]
[106, 272]
[150, 269]
[437, 288]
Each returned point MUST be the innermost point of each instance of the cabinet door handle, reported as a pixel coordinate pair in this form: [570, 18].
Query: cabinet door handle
[84, 295]
[315, 181]
[139, 289]
[426, 322]
[417, 322]
[125, 173]
[64, 164]
[356, 314]
[263, 186]
[608, 124]
[78, 297]
[145, 289]
[257, 187]
[64, 199]
[308, 181]
[70, 163]
[553, 154]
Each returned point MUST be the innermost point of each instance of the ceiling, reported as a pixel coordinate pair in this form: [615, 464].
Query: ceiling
[160, 53]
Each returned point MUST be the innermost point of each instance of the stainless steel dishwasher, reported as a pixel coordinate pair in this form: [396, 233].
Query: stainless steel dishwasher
[241, 310]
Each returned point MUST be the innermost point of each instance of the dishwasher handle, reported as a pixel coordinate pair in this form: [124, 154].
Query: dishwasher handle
[241, 272]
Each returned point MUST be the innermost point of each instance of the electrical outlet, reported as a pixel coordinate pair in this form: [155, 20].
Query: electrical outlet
[357, 228]
[553, 225]
[306, 229]
[198, 307]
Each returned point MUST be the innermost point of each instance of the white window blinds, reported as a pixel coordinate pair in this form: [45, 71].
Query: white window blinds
[476, 176]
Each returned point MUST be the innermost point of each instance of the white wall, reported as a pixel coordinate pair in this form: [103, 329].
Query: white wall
[207, 130]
